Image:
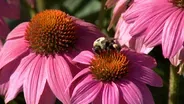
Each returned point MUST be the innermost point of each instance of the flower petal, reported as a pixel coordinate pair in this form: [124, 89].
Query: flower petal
[74, 66]
[172, 39]
[82, 73]
[84, 57]
[47, 96]
[122, 31]
[18, 32]
[155, 28]
[120, 7]
[17, 78]
[137, 9]
[130, 92]
[143, 22]
[4, 29]
[110, 94]
[176, 59]
[35, 81]
[87, 33]
[86, 93]
[8, 70]
[146, 94]
[138, 45]
[10, 8]
[59, 76]
[11, 50]
[139, 58]
[4, 88]
[145, 75]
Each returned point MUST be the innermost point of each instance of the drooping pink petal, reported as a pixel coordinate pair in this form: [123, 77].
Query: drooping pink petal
[86, 34]
[35, 81]
[7, 70]
[59, 76]
[82, 73]
[110, 94]
[135, 10]
[142, 23]
[84, 57]
[74, 66]
[172, 40]
[124, 38]
[138, 45]
[4, 30]
[122, 32]
[146, 94]
[176, 59]
[10, 8]
[17, 78]
[98, 99]
[47, 96]
[84, 78]
[139, 58]
[86, 93]
[4, 88]
[12, 49]
[20, 46]
[18, 32]
[145, 75]
[120, 7]
[130, 92]
[153, 36]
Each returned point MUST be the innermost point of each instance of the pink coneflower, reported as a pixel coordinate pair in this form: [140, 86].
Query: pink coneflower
[159, 22]
[114, 77]
[36, 56]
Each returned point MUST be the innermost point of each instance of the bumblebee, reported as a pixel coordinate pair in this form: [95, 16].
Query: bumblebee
[105, 44]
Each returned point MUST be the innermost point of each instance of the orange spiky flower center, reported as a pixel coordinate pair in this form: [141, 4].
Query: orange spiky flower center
[109, 66]
[178, 3]
[50, 32]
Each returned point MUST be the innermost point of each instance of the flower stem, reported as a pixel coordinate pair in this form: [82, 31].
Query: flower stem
[40, 5]
[173, 85]
[101, 14]
[32, 12]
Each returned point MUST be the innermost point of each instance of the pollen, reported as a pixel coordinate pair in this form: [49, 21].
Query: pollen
[178, 3]
[109, 66]
[50, 32]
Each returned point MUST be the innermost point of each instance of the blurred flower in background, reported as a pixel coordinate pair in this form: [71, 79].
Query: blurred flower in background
[114, 77]
[31, 3]
[37, 56]
[9, 9]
